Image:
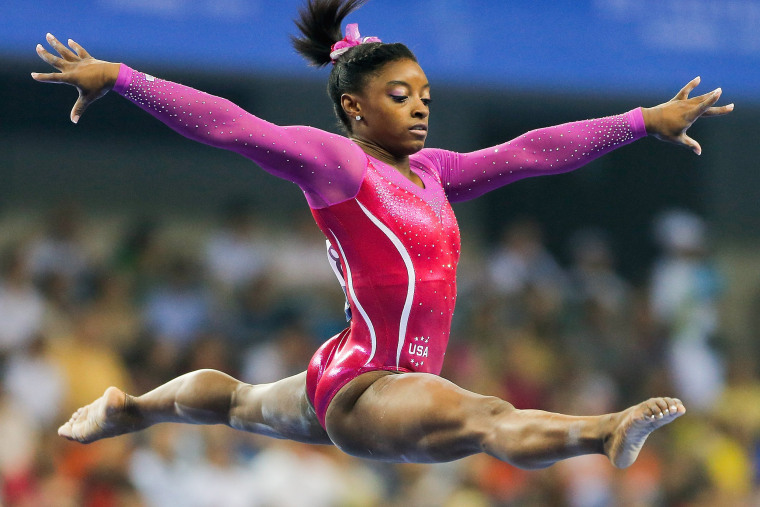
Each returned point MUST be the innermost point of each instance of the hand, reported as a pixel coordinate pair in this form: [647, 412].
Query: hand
[92, 78]
[670, 121]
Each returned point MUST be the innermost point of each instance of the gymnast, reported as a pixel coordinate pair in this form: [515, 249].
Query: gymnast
[382, 201]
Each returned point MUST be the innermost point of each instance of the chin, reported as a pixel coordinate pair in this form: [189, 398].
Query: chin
[416, 146]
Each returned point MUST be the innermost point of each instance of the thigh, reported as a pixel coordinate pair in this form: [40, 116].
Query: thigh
[410, 417]
[280, 409]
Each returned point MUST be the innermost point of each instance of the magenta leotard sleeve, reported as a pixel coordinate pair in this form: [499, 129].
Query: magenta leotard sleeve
[549, 150]
[328, 167]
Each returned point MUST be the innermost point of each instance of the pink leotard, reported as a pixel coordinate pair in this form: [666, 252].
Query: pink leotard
[397, 243]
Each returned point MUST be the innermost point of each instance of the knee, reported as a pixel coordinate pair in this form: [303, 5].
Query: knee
[489, 416]
[490, 409]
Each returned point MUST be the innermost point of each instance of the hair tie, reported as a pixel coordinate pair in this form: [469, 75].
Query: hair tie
[351, 39]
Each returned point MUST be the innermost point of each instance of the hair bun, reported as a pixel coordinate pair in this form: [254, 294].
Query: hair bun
[319, 22]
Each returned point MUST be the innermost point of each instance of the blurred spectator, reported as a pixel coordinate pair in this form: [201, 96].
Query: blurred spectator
[88, 364]
[255, 312]
[114, 306]
[178, 309]
[521, 261]
[323, 478]
[237, 252]
[301, 262]
[35, 382]
[286, 354]
[192, 468]
[592, 275]
[17, 447]
[60, 251]
[21, 305]
[60, 306]
[597, 328]
[685, 293]
[526, 281]
[139, 254]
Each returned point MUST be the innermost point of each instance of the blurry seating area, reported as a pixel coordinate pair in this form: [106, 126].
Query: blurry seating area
[89, 301]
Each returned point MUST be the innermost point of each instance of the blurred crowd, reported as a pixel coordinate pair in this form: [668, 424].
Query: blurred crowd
[87, 303]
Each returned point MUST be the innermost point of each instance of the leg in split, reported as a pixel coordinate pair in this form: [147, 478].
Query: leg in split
[280, 409]
[423, 418]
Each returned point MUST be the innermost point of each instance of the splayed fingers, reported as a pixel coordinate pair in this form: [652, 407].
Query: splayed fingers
[66, 53]
[80, 51]
[670, 121]
[92, 78]
[710, 110]
[683, 94]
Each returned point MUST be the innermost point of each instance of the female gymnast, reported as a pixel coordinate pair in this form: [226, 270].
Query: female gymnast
[382, 202]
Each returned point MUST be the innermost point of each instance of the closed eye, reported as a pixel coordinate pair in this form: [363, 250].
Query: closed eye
[402, 98]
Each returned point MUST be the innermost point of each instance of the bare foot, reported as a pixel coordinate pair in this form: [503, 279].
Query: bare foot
[103, 418]
[634, 425]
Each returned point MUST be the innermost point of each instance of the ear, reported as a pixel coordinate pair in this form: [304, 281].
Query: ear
[350, 104]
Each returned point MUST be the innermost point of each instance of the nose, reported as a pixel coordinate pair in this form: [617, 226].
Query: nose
[420, 110]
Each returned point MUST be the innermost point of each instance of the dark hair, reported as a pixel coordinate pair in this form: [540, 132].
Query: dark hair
[320, 24]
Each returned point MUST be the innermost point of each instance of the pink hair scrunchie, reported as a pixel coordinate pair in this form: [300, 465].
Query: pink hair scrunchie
[352, 38]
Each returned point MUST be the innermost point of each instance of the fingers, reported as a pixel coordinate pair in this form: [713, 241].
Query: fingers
[78, 110]
[49, 58]
[53, 77]
[686, 90]
[718, 111]
[79, 49]
[690, 143]
[65, 52]
[706, 105]
[708, 99]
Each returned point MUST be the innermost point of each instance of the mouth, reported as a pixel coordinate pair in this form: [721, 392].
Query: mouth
[420, 129]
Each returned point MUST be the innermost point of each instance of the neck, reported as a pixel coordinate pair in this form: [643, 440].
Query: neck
[376, 151]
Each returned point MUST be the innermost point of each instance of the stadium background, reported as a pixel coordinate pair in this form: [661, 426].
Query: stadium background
[134, 202]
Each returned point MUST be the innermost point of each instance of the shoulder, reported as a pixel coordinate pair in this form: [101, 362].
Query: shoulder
[428, 156]
[434, 159]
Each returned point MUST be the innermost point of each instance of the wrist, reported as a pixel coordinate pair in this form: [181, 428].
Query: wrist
[110, 73]
[648, 115]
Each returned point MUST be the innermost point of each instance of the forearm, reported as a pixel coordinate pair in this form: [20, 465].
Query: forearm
[545, 151]
[192, 113]
[199, 397]
[328, 167]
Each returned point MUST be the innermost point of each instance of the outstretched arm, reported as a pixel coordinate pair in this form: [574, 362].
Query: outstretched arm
[328, 167]
[567, 147]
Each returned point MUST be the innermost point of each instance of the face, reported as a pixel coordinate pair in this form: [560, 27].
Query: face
[395, 106]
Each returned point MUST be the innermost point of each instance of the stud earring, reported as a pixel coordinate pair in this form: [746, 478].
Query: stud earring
[358, 117]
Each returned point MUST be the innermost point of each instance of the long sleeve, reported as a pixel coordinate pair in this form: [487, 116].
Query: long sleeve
[328, 167]
[551, 150]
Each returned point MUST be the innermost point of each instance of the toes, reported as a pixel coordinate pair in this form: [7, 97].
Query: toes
[65, 431]
[674, 406]
[656, 409]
